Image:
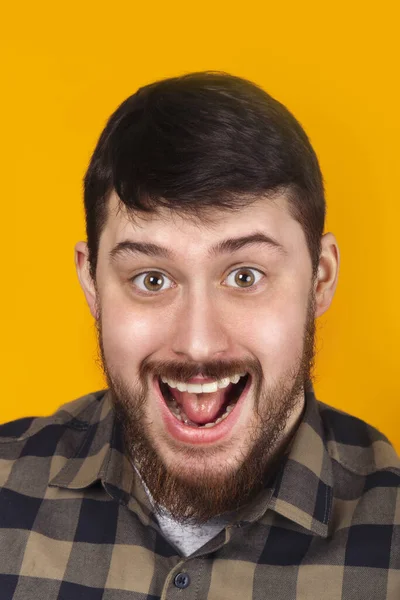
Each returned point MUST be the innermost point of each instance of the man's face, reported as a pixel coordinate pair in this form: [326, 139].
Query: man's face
[210, 314]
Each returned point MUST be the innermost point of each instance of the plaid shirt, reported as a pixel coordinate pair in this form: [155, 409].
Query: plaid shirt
[75, 522]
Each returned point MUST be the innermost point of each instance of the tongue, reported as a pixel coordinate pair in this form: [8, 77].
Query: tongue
[201, 408]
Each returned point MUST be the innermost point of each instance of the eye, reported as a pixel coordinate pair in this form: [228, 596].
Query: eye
[244, 277]
[152, 281]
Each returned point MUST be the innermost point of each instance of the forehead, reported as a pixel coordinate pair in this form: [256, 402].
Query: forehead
[187, 235]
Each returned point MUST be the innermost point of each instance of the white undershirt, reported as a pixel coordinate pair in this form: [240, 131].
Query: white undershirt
[189, 537]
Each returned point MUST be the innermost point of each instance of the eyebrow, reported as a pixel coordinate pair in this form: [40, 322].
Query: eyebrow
[257, 238]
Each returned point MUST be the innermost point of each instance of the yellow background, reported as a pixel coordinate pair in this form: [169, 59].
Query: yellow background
[65, 68]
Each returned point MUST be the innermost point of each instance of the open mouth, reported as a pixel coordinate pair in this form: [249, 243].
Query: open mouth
[223, 405]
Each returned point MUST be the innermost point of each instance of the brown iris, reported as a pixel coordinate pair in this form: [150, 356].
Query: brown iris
[152, 280]
[244, 276]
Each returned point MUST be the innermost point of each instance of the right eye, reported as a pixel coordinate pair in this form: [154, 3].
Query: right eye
[152, 280]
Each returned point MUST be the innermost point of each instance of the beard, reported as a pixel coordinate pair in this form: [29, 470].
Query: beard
[198, 497]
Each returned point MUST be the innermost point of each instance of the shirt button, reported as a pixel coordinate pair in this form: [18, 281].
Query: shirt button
[182, 580]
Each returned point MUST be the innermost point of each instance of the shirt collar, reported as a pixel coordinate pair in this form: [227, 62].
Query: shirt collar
[100, 458]
[301, 489]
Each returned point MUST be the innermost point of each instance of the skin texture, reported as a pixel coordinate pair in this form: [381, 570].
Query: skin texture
[203, 321]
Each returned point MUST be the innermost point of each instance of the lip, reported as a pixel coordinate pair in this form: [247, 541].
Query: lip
[199, 436]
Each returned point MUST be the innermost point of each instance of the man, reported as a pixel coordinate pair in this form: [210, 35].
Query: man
[207, 469]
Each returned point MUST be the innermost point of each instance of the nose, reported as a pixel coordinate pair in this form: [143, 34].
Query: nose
[200, 333]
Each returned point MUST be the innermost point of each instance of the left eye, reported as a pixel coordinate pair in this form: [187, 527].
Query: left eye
[244, 277]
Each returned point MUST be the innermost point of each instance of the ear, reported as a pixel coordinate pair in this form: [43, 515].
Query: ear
[327, 275]
[87, 284]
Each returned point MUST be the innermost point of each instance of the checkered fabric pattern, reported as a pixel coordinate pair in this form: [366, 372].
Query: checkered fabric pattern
[75, 522]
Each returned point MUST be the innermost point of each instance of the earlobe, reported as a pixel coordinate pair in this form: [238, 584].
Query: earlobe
[327, 275]
[83, 271]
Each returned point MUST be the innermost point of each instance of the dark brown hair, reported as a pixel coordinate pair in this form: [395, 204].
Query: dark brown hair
[203, 141]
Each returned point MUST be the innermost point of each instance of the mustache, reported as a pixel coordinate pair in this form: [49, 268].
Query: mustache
[185, 371]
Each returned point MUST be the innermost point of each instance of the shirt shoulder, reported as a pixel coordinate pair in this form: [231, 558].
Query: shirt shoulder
[356, 445]
[79, 410]
[33, 440]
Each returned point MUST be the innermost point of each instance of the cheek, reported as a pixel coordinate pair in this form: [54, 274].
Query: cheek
[276, 335]
[129, 336]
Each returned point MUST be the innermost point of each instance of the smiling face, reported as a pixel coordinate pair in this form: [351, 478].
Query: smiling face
[202, 308]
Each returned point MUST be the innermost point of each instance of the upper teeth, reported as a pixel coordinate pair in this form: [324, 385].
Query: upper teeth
[201, 388]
